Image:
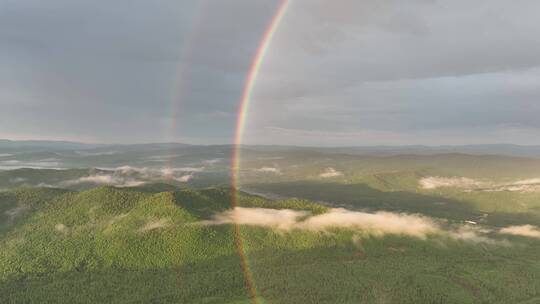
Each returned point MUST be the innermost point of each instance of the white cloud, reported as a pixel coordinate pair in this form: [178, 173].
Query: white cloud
[45, 185]
[49, 163]
[60, 227]
[268, 170]
[155, 224]
[330, 172]
[17, 180]
[13, 213]
[524, 230]
[88, 153]
[281, 219]
[127, 176]
[213, 161]
[11, 162]
[527, 185]
[376, 224]
[150, 173]
[163, 158]
[98, 179]
[105, 179]
[189, 169]
[184, 178]
[473, 234]
[434, 182]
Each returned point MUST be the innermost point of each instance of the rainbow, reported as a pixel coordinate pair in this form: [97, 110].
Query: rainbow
[250, 83]
[255, 68]
[181, 83]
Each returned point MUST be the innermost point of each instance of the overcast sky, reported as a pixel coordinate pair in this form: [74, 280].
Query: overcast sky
[344, 72]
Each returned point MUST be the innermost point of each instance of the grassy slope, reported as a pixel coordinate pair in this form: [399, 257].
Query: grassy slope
[99, 246]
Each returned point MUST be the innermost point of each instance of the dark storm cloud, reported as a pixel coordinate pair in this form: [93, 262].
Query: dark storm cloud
[338, 72]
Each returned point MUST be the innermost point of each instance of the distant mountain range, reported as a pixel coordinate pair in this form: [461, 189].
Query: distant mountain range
[7, 146]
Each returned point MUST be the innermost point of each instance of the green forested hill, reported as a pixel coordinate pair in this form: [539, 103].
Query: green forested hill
[111, 245]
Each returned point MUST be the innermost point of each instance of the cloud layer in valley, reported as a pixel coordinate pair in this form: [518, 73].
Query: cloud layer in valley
[330, 172]
[105, 179]
[127, 176]
[376, 224]
[469, 184]
[523, 230]
[268, 170]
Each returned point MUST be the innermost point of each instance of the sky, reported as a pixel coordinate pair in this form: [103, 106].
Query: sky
[347, 72]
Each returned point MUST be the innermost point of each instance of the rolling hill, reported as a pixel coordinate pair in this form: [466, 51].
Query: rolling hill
[128, 245]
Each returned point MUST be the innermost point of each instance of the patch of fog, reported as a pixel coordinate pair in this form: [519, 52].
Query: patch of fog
[526, 185]
[184, 178]
[153, 172]
[527, 181]
[330, 172]
[189, 169]
[270, 158]
[379, 223]
[127, 176]
[268, 170]
[434, 182]
[376, 224]
[13, 213]
[60, 227]
[44, 163]
[40, 164]
[468, 184]
[45, 185]
[522, 188]
[88, 153]
[155, 224]
[523, 230]
[275, 218]
[212, 161]
[159, 160]
[473, 234]
[163, 157]
[11, 162]
[267, 195]
[17, 180]
[104, 179]
[5, 155]
[117, 218]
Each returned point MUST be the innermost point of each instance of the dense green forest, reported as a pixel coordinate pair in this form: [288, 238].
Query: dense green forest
[140, 245]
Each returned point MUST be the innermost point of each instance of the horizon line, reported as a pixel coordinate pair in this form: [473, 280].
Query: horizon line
[265, 145]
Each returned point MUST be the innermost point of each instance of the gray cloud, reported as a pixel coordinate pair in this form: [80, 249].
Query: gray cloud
[423, 72]
[353, 72]
[99, 71]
